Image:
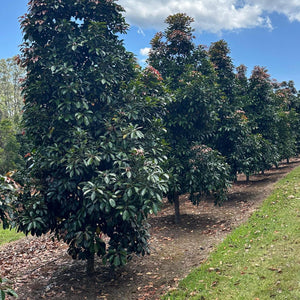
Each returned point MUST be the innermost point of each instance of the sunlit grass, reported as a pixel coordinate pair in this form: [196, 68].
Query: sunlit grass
[259, 260]
[8, 235]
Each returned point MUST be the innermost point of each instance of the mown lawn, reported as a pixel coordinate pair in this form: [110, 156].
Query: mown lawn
[8, 235]
[259, 260]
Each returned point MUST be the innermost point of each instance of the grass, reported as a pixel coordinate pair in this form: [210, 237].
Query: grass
[260, 259]
[7, 235]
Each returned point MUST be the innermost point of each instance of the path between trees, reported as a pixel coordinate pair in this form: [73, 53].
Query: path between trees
[41, 269]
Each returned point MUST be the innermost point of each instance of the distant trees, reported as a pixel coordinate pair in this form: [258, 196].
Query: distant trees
[10, 113]
[9, 147]
[10, 96]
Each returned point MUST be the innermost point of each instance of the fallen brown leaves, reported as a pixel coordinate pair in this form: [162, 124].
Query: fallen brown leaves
[40, 268]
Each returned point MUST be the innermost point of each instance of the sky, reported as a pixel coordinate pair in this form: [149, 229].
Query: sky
[258, 32]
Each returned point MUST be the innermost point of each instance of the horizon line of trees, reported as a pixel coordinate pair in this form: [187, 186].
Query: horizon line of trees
[104, 140]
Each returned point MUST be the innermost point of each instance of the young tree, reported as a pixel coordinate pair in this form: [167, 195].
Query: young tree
[262, 111]
[233, 136]
[94, 129]
[288, 130]
[172, 50]
[192, 115]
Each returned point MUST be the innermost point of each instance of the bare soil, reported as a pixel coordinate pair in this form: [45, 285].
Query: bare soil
[41, 269]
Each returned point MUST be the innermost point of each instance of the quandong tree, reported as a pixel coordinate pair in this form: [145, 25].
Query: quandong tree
[94, 127]
[193, 166]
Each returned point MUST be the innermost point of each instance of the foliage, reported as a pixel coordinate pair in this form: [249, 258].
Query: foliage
[261, 109]
[209, 174]
[8, 192]
[9, 147]
[94, 129]
[219, 56]
[172, 50]
[288, 119]
[10, 95]
[5, 289]
[257, 260]
[189, 122]
[193, 113]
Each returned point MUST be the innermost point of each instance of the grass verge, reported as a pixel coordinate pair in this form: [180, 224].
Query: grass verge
[7, 235]
[258, 260]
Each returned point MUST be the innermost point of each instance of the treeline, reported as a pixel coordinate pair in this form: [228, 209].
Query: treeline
[10, 114]
[106, 140]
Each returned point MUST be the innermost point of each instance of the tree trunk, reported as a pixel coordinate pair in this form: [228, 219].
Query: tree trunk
[176, 207]
[287, 160]
[90, 265]
[247, 177]
[173, 197]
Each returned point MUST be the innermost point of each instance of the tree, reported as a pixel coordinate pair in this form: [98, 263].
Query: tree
[192, 114]
[288, 130]
[11, 102]
[9, 147]
[8, 193]
[172, 50]
[233, 136]
[263, 114]
[219, 56]
[94, 129]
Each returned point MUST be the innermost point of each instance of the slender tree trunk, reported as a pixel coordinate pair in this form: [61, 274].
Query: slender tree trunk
[177, 208]
[287, 160]
[247, 177]
[90, 265]
[173, 197]
[90, 271]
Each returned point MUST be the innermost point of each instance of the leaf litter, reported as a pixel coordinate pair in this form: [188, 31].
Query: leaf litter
[40, 268]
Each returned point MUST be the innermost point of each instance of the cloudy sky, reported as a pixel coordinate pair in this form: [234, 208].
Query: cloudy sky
[259, 32]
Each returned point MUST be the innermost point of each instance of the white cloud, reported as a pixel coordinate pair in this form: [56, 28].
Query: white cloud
[289, 8]
[144, 51]
[210, 15]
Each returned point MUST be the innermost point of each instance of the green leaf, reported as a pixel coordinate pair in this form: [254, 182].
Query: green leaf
[126, 215]
[117, 261]
[112, 202]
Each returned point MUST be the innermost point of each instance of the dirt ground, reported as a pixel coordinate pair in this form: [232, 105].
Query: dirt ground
[40, 268]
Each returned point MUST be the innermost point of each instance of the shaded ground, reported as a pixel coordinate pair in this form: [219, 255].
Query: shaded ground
[41, 269]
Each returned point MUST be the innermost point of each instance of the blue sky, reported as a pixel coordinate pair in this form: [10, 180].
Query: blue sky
[259, 32]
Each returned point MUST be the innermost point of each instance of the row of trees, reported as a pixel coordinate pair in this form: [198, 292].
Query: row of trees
[248, 125]
[107, 141]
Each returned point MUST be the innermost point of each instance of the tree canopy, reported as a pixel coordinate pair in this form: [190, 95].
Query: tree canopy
[94, 129]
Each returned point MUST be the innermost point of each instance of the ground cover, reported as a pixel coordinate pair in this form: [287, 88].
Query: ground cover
[260, 259]
[7, 235]
[41, 269]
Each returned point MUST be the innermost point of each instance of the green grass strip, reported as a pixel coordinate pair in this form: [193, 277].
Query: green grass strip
[7, 235]
[258, 260]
